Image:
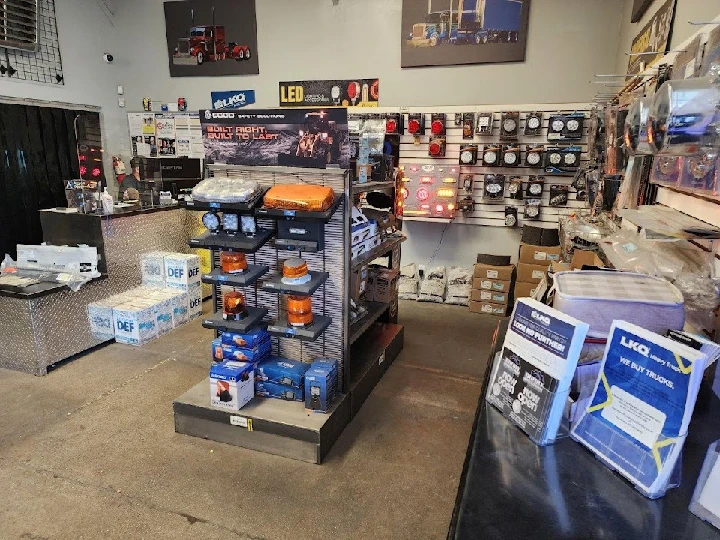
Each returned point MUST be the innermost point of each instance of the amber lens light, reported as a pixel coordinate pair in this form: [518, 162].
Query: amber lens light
[294, 268]
[234, 304]
[299, 310]
[233, 262]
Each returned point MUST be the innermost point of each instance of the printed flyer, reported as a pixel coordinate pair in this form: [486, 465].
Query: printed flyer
[638, 416]
[532, 377]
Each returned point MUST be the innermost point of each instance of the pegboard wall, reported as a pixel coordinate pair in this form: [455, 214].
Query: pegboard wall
[415, 152]
[43, 66]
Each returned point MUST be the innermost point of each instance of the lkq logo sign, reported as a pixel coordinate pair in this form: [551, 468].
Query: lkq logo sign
[233, 99]
[635, 346]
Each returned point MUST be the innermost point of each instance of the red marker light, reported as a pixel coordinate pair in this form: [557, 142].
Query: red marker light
[83, 170]
[96, 172]
[422, 194]
[439, 208]
[414, 127]
[437, 127]
[404, 193]
[434, 149]
[82, 157]
[390, 126]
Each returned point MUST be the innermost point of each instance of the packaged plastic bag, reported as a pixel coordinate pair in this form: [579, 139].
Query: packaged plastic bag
[307, 197]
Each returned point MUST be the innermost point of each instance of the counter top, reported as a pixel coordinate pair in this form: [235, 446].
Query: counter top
[118, 213]
[41, 289]
[512, 488]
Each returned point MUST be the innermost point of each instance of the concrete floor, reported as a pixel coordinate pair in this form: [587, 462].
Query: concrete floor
[89, 451]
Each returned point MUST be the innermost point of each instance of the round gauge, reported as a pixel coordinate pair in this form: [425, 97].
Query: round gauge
[533, 122]
[493, 188]
[573, 125]
[532, 211]
[414, 126]
[509, 125]
[466, 156]
[422, 194]
[535, 189]
[490, 156]
[570, 159]
[230, 222]
[510, 220]
[211, 221]
[510, 158]
[555, 158]
[533, 158]
[557, 125]
[437, 127]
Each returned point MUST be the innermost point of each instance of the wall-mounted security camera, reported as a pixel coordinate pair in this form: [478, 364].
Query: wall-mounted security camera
[108, 58]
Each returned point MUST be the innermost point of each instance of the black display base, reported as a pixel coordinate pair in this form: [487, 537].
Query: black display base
[283, 428]
[299, 215]
[245, 208]
[238, 242]
[254, 318]
[275, 284]
[302, 333]
[374, 312]
[241, 279]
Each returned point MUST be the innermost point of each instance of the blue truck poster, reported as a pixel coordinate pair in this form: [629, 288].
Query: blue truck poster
[457, 32]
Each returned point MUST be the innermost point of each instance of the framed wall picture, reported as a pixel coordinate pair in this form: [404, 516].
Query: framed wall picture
[457, 32]
[654, 36]
[206, 39]
[639, 8]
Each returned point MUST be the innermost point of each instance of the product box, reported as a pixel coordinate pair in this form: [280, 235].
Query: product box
[493, 297]
[281, 371]
[222, 352]
[194, 299]
[100, 316]
[320, 387]
[182, 270]
[499, 310]
[372, 242]
[385, 285]
[358, 281]
[180, 312]
[163, 308]
[530, 254]
[247, 340]
[532, 273]
[279, 391]
[491, 285]
[502, 273]
[523, 290]
[231, 385]
[152, 267]
[135, 323]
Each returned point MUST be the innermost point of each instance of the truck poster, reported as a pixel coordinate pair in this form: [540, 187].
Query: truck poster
[207, 38]
[655, 36]
[458, 32]
[335, 93]
[315, 138]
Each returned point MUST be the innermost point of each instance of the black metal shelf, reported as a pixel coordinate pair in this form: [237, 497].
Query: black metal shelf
[373, 186]
[374, 312]
[299, 215]
[237, 242]
[246, 208]
[275, 284]
[380, 250]
[253, 318]
[303, 333]
[240, 279]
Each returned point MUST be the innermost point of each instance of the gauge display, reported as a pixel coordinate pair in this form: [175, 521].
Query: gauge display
[211, 221]
[533, 158]
[231, 223]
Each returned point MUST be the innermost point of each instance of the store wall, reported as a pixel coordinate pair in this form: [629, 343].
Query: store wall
[685, 10]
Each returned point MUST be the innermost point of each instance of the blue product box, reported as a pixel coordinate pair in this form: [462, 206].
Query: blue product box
[220, 351]
[320, 388]
[278, 391]
[282, 371]
[248, 340]
[324, 363]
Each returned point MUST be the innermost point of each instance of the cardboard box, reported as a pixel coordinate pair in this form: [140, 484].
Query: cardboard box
[493, 260]
[182, 271]
[152, 266]
[359, 280]
[231, 385]
[282, 371]
[523, 290]
[248, 340]
[194, 296]
[279, 391]
[493, 297]
[503, 273]
[491, 285]
[580, 258]
[135, 323]
[531, 273]
[320, 385]
[530, 254]
[255, 354]
[499, 310]
[385, 285]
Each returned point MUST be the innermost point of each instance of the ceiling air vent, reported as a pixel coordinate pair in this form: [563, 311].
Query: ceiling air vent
[19, 24]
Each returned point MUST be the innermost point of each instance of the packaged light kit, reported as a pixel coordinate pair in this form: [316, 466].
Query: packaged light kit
[321, 385]
[484, 124]
[515, 188]
[532, 209]
[534, 155]
[468, 154]
[534, 187]
[511, 216]
[509, 125]
[416, 124]
[556, 126]
[394, 124]
[231, 385]
[533, 123]
[511, 155]
[494, 187]
[559, 195]
[491, 155]
[574, 124]
[468, 125]
[281, 371]
[279, 391]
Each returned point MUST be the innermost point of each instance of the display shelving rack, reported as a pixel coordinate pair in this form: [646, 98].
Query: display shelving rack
[364, 348]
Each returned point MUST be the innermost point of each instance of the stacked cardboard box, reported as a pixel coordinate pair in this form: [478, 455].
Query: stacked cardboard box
[533, 265]
[492, 289]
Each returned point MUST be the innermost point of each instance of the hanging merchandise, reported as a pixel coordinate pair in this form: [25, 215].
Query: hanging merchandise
[556, 126]
[248, 225]
[234, 308]
[466, 204]
[682, 119]
[468, 124]
[394, 124]
[511, 216]
[515, 188]
[580, 185]
[491, 155]
[571, 157]
[574, 124]
[666, 170]
[533, 123]
[299, 310]
[559, 195]
[484, 124]
[458, 119]
[699, 173]
[436, 148]
[509, 124]
[511, 155]
[437, 124]
[232, 262]
[534, 187]
[468, 154]
[532, 209]
[416, 124]
[636, 134]
[494, 190]
[534, 155]
[553, 157]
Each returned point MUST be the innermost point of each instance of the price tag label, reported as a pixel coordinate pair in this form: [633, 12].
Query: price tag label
[241, 421]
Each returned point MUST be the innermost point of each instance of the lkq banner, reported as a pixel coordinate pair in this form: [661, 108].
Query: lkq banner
[234, 99]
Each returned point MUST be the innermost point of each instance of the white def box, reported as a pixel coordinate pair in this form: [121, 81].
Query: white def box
[194, 299]
[100, 317]
[182, 271]
[152, 266]
[135, 323]
[232, 384]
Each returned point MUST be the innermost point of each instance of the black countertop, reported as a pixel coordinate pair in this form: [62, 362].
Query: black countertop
[513, 489]
[118, 213]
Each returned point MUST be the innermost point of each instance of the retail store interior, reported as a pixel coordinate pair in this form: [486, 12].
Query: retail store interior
[359, 269]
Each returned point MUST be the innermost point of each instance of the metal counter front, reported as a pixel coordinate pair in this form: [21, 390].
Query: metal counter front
[40, 329]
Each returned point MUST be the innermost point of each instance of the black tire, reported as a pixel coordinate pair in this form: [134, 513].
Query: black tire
[200, 58]
[247, 54]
